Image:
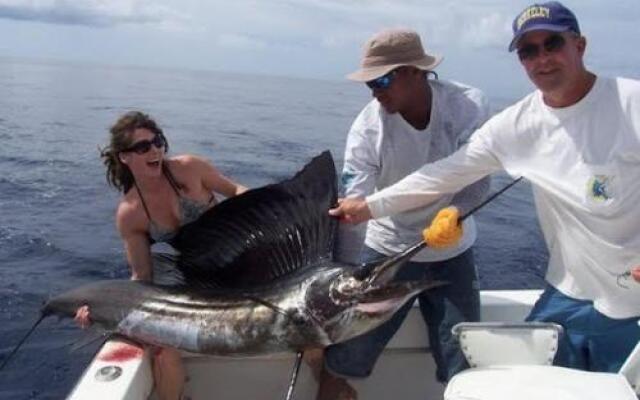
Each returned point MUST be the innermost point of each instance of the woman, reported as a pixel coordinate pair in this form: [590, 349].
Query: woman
[160, 194]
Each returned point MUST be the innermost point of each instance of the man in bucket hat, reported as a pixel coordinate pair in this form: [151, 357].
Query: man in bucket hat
[412, 120]
[577, 140]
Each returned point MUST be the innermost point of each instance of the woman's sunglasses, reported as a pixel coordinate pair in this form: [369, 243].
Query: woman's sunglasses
[382, 82]
[144, 146]
[552, 44]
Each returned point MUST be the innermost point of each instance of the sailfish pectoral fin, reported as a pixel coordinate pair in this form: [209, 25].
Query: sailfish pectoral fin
[294, 316]
[95, 335]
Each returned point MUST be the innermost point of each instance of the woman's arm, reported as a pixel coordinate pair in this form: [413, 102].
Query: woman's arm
[213, 180]
[134, 233]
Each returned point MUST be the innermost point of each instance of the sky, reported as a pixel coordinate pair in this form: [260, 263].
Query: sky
[319, 39]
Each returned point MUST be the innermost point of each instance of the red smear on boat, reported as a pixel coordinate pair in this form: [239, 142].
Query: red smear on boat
[121, 354]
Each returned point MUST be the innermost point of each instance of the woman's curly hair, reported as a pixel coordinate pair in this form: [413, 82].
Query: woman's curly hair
[118, 174]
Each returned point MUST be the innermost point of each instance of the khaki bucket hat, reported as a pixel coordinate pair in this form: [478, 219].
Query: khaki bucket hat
[390, 49]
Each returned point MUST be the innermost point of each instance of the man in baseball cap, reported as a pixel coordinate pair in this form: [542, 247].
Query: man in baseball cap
[411, 120]
[576, 139]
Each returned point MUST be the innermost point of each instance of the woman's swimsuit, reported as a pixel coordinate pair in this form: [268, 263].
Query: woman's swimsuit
[189, 210]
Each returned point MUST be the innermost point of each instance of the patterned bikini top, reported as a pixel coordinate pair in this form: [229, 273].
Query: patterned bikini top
[189, 210]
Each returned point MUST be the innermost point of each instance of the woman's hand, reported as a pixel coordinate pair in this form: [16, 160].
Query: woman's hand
[82, 317]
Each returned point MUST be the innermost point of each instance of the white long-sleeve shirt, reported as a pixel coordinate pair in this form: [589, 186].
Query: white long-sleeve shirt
[383, 148]
[584, 165]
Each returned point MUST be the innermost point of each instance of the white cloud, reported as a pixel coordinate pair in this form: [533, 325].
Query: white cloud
[99, 13]
[346, 24]
[488, 30]
[316, 38]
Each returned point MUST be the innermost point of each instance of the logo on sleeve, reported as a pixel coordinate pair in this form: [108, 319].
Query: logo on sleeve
[346, 178]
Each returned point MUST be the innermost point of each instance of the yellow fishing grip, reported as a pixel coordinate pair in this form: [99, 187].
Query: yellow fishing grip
[444, 231]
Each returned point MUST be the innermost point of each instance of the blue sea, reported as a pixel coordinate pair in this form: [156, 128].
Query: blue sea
[56, 211]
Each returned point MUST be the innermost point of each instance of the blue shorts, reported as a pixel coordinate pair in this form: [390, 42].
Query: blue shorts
[592, 341]
[441, 308]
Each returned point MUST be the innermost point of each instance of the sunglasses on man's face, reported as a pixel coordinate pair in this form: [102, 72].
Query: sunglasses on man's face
[530, 51]
[144, 146]
[382, 82]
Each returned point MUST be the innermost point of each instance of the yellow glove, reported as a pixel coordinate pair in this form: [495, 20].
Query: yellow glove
[444, 230]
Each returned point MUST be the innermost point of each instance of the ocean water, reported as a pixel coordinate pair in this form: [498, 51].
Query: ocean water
[56, 210]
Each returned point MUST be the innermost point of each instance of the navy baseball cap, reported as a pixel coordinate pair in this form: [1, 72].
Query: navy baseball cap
[550, 16]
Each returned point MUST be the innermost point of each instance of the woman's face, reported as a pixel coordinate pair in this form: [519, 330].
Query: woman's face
[145, 154]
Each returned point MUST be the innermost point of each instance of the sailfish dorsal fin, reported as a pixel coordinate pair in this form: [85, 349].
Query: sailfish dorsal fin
[264, 233]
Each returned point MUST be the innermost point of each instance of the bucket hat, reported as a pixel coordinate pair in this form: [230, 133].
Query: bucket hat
[390, 49]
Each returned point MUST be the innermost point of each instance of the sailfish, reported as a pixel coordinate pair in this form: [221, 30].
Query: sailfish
[258, 277]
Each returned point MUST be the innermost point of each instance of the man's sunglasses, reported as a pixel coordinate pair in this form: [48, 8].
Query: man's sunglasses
[144, 146]
[551, 44]
[382, 82]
